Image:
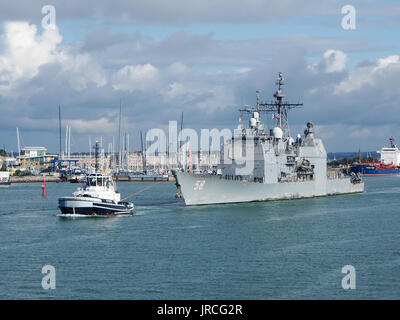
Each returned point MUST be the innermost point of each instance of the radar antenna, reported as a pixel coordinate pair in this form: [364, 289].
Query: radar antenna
[278, 108]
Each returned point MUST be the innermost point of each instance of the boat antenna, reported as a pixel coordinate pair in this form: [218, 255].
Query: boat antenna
[96, 156]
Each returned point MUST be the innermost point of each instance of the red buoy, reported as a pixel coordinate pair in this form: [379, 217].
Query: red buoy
[44, 188]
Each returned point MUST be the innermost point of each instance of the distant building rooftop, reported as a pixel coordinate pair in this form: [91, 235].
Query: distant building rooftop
[34, 148]
[33, 152]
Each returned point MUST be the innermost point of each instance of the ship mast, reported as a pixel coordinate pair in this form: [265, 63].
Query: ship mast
[279, 97]
[278, 108]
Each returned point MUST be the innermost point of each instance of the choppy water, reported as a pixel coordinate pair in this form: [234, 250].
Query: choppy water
[273, 250]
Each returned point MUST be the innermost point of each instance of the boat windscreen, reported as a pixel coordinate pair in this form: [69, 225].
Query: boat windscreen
[91, 181]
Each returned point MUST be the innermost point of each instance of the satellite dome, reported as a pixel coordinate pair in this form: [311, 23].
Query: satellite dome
[277, 132]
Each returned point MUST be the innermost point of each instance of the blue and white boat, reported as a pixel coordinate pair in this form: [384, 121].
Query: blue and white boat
[97, 198]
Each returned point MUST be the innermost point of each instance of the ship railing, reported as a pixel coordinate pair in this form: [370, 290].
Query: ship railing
[241, 178]
[333, 175]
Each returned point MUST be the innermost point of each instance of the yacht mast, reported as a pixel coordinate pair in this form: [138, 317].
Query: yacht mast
[143, 154]
[19, 146]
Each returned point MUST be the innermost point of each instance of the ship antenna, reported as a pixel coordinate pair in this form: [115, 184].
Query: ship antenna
[279, 97]
[278, 108]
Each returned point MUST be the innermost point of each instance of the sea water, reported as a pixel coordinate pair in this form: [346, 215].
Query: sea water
[292, 249]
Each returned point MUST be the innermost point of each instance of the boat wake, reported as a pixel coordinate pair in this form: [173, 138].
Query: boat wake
[80, 216]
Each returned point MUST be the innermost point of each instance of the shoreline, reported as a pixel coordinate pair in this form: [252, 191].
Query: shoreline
[16, 179]
[35, 179]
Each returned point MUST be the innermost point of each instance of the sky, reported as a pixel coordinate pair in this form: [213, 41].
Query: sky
[204, 58]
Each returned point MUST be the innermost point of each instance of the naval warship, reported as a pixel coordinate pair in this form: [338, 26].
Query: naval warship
[257, 164]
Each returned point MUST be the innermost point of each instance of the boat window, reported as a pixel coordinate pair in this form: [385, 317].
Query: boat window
[91, 181]
[99, 181]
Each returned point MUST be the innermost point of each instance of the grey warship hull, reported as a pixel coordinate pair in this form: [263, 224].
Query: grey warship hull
[257, 165]
[211, 189]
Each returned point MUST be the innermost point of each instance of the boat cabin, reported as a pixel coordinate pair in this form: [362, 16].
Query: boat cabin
[99, 180]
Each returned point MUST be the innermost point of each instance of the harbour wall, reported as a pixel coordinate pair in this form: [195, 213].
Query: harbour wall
[25, 179]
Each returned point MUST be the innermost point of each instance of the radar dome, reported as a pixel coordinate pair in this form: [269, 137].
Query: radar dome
[277, 132]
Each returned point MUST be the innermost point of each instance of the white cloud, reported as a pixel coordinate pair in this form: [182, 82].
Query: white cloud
[24, 52]
[200, 95]
[136, 78]
[81, 70]
[176, 82]
[103, 125]
[332, 61]
[178, 69]
[175, 89]
[335, 60]
[218, 97]
[368, 74]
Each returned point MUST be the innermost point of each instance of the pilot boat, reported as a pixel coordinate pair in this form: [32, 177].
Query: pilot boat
[97, 198]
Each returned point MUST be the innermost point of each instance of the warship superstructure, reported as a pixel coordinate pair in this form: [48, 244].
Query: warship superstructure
[259, 164]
